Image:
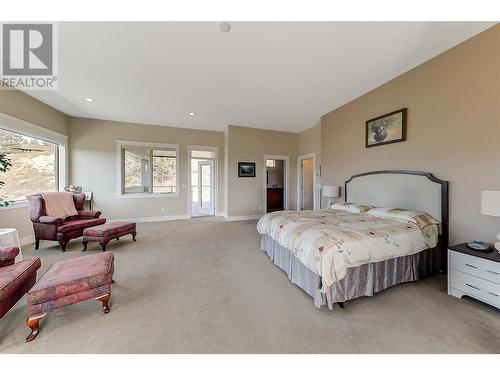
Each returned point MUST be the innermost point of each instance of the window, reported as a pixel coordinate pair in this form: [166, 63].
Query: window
[270, 163]
[148, 169]
[34, 169]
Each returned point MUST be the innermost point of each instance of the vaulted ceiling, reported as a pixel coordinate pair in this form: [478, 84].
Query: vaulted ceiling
[271, 75]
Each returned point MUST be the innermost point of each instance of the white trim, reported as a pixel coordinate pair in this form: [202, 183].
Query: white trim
[27, 240]
[244, 217]
[152, 218]
[220, 213]
[215, 150]
[118, 156]
[16, 206]
[299, 176]
[16, 125]
[286, 159]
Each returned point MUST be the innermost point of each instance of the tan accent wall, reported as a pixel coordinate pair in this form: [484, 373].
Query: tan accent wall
[17, 104]
[92, 145]
[453, 106]
[246, 194]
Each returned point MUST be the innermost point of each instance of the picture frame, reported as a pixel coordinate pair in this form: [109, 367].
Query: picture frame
[386, 129]
[246, 169]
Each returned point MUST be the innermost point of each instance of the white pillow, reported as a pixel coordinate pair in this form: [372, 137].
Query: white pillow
[354, 208]
[403, 214]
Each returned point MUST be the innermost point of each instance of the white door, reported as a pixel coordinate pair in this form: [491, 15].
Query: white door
[307, 184]
[206, 188]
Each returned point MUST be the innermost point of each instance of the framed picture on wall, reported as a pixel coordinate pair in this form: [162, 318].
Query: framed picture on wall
[246, 169]
[385, 129]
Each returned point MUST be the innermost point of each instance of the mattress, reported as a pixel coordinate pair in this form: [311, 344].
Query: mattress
[329, 242]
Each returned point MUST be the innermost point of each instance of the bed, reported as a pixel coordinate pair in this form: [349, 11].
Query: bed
[355, 250]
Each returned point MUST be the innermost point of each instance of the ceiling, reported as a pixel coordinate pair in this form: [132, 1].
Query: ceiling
[270, 75]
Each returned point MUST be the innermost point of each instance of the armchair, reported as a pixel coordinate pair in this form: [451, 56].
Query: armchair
[15, 278]
[56, 228]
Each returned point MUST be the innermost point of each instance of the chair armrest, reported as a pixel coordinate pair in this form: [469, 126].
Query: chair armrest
[89, 214]
[50, 220]
[8, 253]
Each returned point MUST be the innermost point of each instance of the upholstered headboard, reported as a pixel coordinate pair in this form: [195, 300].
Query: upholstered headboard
[402, 189]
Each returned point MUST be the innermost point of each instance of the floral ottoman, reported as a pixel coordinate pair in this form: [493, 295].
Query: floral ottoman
[68, 282]
[106, 232]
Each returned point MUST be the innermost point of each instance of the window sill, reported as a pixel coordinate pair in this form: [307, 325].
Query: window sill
[150, 195]
[15, 206]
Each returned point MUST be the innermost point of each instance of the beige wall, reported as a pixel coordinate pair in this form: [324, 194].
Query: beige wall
[17, 104]
[453, 106]
[246, 194]
[92, 145]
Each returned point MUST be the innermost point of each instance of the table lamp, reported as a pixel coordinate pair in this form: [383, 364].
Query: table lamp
[331, 191]
[490, 205]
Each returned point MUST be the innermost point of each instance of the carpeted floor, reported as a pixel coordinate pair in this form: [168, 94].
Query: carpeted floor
[203, 286]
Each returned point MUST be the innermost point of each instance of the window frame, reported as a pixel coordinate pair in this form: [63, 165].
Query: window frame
[15, 125]
[120, 175]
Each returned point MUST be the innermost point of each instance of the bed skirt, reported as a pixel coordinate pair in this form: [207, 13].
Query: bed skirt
[364, 280]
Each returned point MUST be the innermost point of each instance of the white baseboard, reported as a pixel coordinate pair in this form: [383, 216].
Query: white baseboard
[221, 214]
[27, 240]
[244, 217]
[153, 218]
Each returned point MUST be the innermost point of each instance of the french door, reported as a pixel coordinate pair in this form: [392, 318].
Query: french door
[205, 189]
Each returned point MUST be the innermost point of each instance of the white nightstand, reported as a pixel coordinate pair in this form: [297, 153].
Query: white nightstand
[475, 274]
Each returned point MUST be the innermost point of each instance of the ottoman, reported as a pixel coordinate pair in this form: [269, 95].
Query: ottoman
[106, 232]
[68, 282]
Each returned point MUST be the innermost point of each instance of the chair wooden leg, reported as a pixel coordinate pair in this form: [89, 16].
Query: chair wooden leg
[133, 236]
[63, 245]
[105, 300]
[33, 322]
[341, 304]
[37, 243]
[84, 243]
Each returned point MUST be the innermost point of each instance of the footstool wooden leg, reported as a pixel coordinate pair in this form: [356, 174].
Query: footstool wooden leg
[105, 299]
[34, 323]
[341, 304]
[133, 236]
[84, 243]
[103, 244]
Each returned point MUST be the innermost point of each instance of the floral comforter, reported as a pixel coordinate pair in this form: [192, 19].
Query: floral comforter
[330, 241]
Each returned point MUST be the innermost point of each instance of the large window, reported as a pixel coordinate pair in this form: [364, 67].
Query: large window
[148, 169]
[34, 165]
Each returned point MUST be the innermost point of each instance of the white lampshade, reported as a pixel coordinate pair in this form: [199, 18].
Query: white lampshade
[490, 203]
[331, 191]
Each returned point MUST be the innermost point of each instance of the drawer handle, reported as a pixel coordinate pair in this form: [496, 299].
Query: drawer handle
[472, 286]
[493, 272]
[470, 265]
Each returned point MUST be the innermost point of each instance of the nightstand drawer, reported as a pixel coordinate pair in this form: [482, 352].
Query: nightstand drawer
[475, 287]
[475, 266]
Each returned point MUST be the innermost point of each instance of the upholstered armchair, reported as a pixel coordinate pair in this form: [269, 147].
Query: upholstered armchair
[15, 278]
[56, 228]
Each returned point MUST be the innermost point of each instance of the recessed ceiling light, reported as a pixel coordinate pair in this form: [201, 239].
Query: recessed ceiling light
[89, 100]
[191, 113]
[225, 27]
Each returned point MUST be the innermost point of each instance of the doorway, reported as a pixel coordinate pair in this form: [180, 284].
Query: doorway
[275, 183]
[202, 173]
[306, 182]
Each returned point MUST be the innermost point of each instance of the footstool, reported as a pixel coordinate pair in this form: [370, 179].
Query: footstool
[68, 282]
[106, 232]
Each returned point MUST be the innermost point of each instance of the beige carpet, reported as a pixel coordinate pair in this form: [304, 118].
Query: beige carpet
[203, 286]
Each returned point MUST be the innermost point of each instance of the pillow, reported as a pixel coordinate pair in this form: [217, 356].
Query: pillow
[353, 208]
[403, 214]
[59, 204]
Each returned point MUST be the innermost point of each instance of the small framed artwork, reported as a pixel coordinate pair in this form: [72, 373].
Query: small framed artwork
[389, 128]
[246, 169]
